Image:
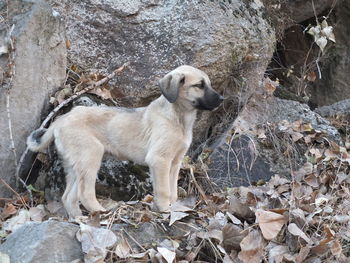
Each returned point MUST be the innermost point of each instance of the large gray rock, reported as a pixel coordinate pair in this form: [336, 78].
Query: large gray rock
[156, 36]
[119, 180]
[339, 108]
[49, 242]
[334, 85]
[297, 54]
[301, 10]
[40, 61]
[244, 159]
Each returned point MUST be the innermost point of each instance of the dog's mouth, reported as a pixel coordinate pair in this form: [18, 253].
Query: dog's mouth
[209, 103]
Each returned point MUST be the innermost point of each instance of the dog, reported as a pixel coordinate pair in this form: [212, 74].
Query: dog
[158, 135]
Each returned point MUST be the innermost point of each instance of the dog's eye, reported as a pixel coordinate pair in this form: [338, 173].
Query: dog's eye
[182, 80]
[200, 85]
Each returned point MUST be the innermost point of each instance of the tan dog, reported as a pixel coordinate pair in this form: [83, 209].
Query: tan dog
[158, 135]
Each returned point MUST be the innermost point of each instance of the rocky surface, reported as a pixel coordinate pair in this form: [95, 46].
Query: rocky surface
[39, 69]
[157, 36]
[336, 109]
[301, 10]
[297, 55]
[119, 180]
[222, 38]
[50, 241]
[240, 158]
[334, 85]
[236, 162]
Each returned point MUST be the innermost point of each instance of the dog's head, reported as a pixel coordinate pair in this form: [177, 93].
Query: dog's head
[190, 87]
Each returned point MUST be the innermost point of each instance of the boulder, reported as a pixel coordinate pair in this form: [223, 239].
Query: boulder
[337, 109]
[296, 58]
[38, 67]
[301, 10]
[119, 180]
[156, 36]
[240, 158]
[50, 241]
[335, 67]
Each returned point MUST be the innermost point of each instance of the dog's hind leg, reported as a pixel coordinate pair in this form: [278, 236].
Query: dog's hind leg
[70, 197]
[90, 164]
[81, 165]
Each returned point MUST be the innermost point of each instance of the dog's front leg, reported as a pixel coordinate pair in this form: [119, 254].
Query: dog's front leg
[160, 170]
[174, 175]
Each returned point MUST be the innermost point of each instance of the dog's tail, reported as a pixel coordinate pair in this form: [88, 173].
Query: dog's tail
[39, 139]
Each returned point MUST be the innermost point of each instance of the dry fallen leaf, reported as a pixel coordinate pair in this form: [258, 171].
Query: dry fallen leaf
[312, 180]
[270, 86]
[252, 248]
[302, 255]
[277, 253]
[311, 76]
[168, 255]
[296, 231]
[323, 245]
[175, 216]
[122, 249]
[94, 242]
[242, 211]
[102, 92]
[336, 248]
[178, 207]
[234, 219]
[270, 223]
[37, 213]
[15, 222]
[232, 237]
[8, 211]
[148, 198]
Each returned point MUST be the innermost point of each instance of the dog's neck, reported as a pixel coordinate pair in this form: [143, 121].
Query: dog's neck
[177, 113]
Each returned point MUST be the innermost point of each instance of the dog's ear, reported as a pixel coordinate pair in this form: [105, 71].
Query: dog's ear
[170, 85]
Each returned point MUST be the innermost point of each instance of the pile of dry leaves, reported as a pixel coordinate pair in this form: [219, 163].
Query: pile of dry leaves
[302, 219]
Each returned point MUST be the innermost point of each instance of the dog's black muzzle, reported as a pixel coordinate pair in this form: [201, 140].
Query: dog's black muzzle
[209, 101]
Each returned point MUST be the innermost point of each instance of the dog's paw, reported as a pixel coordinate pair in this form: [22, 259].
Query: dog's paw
[165, 208]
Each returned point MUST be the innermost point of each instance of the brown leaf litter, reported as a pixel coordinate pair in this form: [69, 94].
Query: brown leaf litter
[302, 219]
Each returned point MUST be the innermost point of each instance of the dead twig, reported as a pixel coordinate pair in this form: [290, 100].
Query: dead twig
[55, 110]
[17, 194]
[133, 239]
[200, 190]
[96, 84]
[10, 126]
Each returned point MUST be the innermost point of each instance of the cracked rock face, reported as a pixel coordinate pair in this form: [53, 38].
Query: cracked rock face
[40, 62]
[156, 36]
[243, 160]
[50, 241]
